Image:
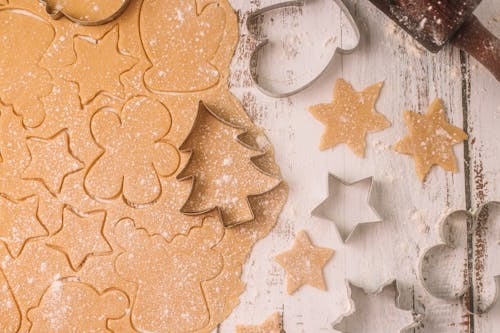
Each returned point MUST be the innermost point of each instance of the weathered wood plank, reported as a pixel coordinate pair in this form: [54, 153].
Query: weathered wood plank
[413, 78]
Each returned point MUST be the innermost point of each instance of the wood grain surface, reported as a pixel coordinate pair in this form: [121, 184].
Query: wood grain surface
[411, 211]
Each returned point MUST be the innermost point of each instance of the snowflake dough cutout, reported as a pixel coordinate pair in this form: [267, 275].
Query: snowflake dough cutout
[383, 303]
[135, 152]
[304, 263]
[273, 324]
[430, 140]
[350, 117]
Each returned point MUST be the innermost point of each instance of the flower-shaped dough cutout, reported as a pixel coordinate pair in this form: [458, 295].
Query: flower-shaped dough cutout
[25, 38]
[70, 306]
[178, 267]
[180, 38]
[86, 12]
[135, 152]
[442, 270]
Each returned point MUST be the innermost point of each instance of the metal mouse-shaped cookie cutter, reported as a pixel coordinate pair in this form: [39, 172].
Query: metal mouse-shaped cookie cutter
[250, 23]
[57, 12]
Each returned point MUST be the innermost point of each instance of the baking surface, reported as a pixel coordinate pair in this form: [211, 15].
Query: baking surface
[411, 210]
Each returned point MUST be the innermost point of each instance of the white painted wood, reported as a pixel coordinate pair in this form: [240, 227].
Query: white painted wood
[411, 211]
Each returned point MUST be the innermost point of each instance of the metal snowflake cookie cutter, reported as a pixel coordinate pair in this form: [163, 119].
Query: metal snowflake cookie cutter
[346, 229]
[444, 289]
[182, 176]
[57, 11]
[391, 288]
[251, 21]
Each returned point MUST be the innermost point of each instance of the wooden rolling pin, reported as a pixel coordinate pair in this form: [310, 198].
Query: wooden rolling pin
[434, 23]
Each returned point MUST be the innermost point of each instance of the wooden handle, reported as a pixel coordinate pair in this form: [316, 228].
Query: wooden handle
[476, 40]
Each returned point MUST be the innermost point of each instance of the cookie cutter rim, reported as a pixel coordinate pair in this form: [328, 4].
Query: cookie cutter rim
[317, 213]
[252, 17]
[56, 14]
[393, 283]
[192, 178]
[444, 242]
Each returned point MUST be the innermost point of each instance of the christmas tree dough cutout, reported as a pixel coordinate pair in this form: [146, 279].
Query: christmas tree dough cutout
[304, 263]
[222, 170]
[350, 117]
[86, 12]
[430, 140]
[273, 324]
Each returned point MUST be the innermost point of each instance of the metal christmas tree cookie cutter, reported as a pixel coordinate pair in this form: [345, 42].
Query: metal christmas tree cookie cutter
[251, 22]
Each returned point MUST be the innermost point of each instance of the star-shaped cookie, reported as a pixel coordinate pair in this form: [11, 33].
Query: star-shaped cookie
[350, 117]
[98, 65]
[430, 140]
[51, 161]
[304, 263]
[271, 325]
[80, 237]
[19, 223]
[356, 196]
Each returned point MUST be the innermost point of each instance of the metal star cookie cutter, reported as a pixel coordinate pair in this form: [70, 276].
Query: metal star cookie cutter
[253, 17]
[58, 12]
[448, 242]
[321, 210]
[391, 285]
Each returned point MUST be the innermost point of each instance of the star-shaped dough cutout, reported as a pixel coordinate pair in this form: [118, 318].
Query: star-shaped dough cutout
[51, 161]
[350, 117]
[98, 65]
[272, 324]
[304, 263]
[19, 223]
[356, 196]
[80, 237]
[430, 140]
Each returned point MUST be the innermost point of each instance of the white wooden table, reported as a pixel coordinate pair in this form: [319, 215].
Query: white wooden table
[411, 210]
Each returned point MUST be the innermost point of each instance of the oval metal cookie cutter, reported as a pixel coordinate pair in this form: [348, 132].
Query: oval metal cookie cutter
[252, 18]
[58, 11]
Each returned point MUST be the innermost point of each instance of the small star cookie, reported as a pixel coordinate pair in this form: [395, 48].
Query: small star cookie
[430, 140]
[271, 325]
[304, 263]
[350, 117]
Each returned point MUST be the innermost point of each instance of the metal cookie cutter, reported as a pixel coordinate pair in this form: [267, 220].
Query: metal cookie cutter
[345, 230]
[253, 17]
[450, 242]
[203, 109]
[56, 11]
[390, 289]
